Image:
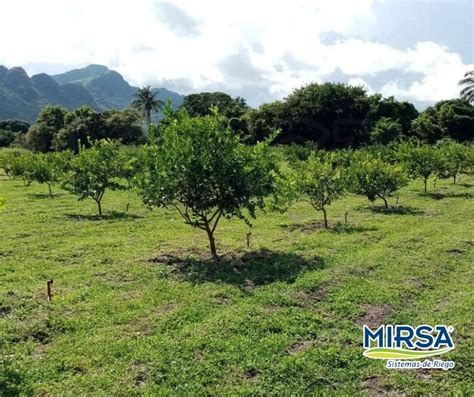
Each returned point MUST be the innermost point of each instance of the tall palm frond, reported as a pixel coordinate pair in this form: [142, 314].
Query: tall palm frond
[145, 102]
[467, 92]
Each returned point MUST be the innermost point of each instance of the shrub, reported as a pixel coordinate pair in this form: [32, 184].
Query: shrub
[296, 152]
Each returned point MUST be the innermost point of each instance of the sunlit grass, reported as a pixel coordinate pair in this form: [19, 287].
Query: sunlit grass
[137, 308]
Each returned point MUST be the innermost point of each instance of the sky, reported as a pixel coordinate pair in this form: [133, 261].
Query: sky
[415, 50]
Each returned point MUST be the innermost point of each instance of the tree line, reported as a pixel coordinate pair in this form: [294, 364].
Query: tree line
[331, 115]
[199, 167]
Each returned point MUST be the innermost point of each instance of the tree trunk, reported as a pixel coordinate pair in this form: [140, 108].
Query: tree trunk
[454, 178]
[50, 192]
[99, 206]
[385, 202]
[148, 119]
[325, 218]
[212, 241]
[426, 183]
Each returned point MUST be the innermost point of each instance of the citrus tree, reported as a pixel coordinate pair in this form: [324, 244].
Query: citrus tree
[374, 179]
[94, 170]
[320, 183]
[19, 165]
[48, 168]
[421, 162]
[201, 169]
[453, 159]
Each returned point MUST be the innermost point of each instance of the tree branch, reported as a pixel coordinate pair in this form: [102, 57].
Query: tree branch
[217, 220]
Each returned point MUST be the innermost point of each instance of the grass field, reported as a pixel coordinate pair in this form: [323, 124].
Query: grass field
[138, 309]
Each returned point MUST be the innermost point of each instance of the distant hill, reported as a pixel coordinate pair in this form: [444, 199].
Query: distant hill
[96, 86]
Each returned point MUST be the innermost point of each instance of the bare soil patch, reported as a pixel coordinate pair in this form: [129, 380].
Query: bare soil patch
[375, 316]
[300, 346]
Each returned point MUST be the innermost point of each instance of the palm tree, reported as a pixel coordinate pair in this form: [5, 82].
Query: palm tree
[467, 92]
[145, 101]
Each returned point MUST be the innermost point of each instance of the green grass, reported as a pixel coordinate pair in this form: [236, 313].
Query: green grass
[138, 309]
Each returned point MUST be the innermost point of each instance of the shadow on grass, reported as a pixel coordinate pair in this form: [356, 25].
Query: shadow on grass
[245, 270]
[398, 210]
[443, 195]
[44, 195]
[319, 225]
[12, 382]
[465, 184]
[304, 227]
[114, 215]
[350, 229]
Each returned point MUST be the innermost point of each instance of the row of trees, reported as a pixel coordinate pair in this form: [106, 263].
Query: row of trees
[331, 115]
[338, 115]
[378, 172]
[199, 167]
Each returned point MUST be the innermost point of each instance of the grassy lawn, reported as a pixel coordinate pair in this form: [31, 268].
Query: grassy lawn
[138, 308]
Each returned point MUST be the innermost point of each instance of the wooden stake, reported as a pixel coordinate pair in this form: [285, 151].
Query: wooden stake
[49, 283]
[248, 238]
[345, 216]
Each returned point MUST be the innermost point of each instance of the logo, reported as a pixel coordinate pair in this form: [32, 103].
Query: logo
[404, 342]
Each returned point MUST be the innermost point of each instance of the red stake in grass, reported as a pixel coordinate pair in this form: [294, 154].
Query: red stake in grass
[49, 283]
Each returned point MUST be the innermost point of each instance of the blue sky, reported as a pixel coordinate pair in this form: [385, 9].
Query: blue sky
[413, 49]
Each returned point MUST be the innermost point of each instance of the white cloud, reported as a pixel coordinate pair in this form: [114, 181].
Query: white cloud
[239, 46]
[441, 70]
[357, 81]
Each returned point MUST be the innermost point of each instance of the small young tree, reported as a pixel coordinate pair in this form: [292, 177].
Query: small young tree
[374, 179]
[95, 170]
[49, 168]
[453, 159]
[202, 170]
[19, 165]
[6, 157]
[421, 162]
[320, 183]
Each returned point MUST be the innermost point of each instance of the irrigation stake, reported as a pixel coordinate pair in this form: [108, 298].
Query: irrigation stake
[49, 283]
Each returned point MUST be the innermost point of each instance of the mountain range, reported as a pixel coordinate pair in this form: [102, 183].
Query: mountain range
[97, 86]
